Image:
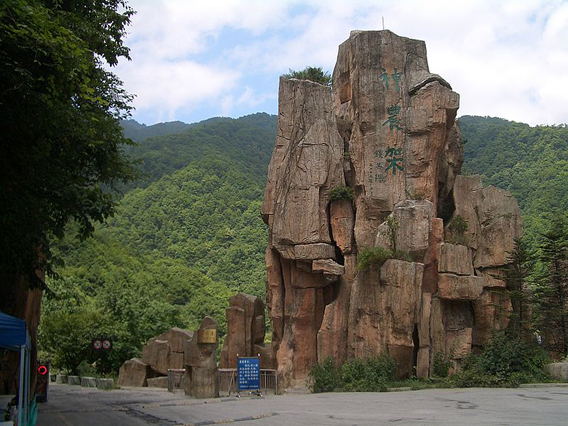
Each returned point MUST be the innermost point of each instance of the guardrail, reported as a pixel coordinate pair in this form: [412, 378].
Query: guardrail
[228, 383]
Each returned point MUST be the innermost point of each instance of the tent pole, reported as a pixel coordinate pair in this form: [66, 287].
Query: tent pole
[28, 386]
[21, 385]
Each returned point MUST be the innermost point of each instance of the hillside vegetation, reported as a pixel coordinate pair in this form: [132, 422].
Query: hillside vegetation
[531, 162]
[189, 234]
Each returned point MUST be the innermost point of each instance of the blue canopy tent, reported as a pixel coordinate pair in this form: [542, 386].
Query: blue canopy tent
[14, 336]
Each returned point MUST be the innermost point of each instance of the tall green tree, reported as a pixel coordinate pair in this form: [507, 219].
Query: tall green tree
[551, 290]
[60, 135]
[517, 276]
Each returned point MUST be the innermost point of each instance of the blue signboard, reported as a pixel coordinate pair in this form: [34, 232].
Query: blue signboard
[249, 374]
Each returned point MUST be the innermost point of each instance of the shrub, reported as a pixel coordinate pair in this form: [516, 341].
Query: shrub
[315, 74]
[506, 361]
[325, 376]
[341, 193]
[441, 365]
[377, 256]
[355, 375]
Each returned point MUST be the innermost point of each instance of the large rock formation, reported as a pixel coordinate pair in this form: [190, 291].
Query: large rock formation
[387, 131]
[245, 332]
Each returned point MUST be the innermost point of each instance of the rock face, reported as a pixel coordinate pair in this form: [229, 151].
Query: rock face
[245, 332]
[200, 379]
[387, 131]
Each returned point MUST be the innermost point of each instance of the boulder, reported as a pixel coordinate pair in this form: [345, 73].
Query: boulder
[176, 338]
[156, 354]
[455, 259]
[328, 266]
[314, 251]
[158, 382]
[134, 373]
[457, 287]
[411, 224]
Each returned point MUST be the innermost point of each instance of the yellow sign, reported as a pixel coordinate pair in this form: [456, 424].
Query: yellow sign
[207, 336]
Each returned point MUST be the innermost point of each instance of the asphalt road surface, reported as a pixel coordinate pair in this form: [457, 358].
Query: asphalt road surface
[73, 405]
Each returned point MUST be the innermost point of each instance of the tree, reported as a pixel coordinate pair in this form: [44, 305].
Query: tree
[61, 140]
[551, 290]
[315, 74]
[516, 274]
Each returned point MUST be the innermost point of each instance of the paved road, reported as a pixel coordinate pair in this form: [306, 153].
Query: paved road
[71, 405]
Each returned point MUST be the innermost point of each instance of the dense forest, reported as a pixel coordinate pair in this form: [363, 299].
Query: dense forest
[188, 234]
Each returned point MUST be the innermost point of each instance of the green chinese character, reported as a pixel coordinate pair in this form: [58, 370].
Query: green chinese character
[385, 77]
[393, 121]
[392, 163]
[396, 75]
[393, 151]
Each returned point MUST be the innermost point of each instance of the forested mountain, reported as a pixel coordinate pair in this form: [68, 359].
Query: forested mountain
[531, 162]
[189, 234]
[182, 241]
[248, 140]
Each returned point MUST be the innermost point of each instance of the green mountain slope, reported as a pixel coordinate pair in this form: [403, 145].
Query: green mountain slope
[531, 162]
[248, 140]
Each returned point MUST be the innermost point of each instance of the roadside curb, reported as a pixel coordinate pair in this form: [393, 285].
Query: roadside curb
[544, 385]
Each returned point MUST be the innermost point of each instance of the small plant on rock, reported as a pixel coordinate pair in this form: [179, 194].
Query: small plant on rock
[377, 256]
[457, 227]
[315, 74]
[341, 193]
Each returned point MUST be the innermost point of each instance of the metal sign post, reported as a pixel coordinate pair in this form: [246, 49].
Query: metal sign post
[249, 375]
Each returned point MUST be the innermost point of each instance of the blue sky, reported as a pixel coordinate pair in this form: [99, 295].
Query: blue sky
[196, 59]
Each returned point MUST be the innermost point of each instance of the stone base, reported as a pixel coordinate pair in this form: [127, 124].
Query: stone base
[105, 384]
[158, 382]
[557, 370]
[74, 380]
[88, 382]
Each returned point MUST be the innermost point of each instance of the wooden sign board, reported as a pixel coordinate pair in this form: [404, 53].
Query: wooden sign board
[207, 336]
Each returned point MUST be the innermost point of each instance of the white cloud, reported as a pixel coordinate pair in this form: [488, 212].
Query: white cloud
[164, 87]
[505, 58]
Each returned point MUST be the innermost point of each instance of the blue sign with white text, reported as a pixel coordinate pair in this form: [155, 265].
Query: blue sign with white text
[249, 373]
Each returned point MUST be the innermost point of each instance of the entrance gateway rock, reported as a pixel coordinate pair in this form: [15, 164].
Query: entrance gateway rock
[387, 130]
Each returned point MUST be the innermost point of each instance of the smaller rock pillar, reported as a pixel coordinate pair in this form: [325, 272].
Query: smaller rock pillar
[200, 380]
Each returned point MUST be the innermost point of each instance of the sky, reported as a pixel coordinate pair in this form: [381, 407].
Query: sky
[196, 59]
